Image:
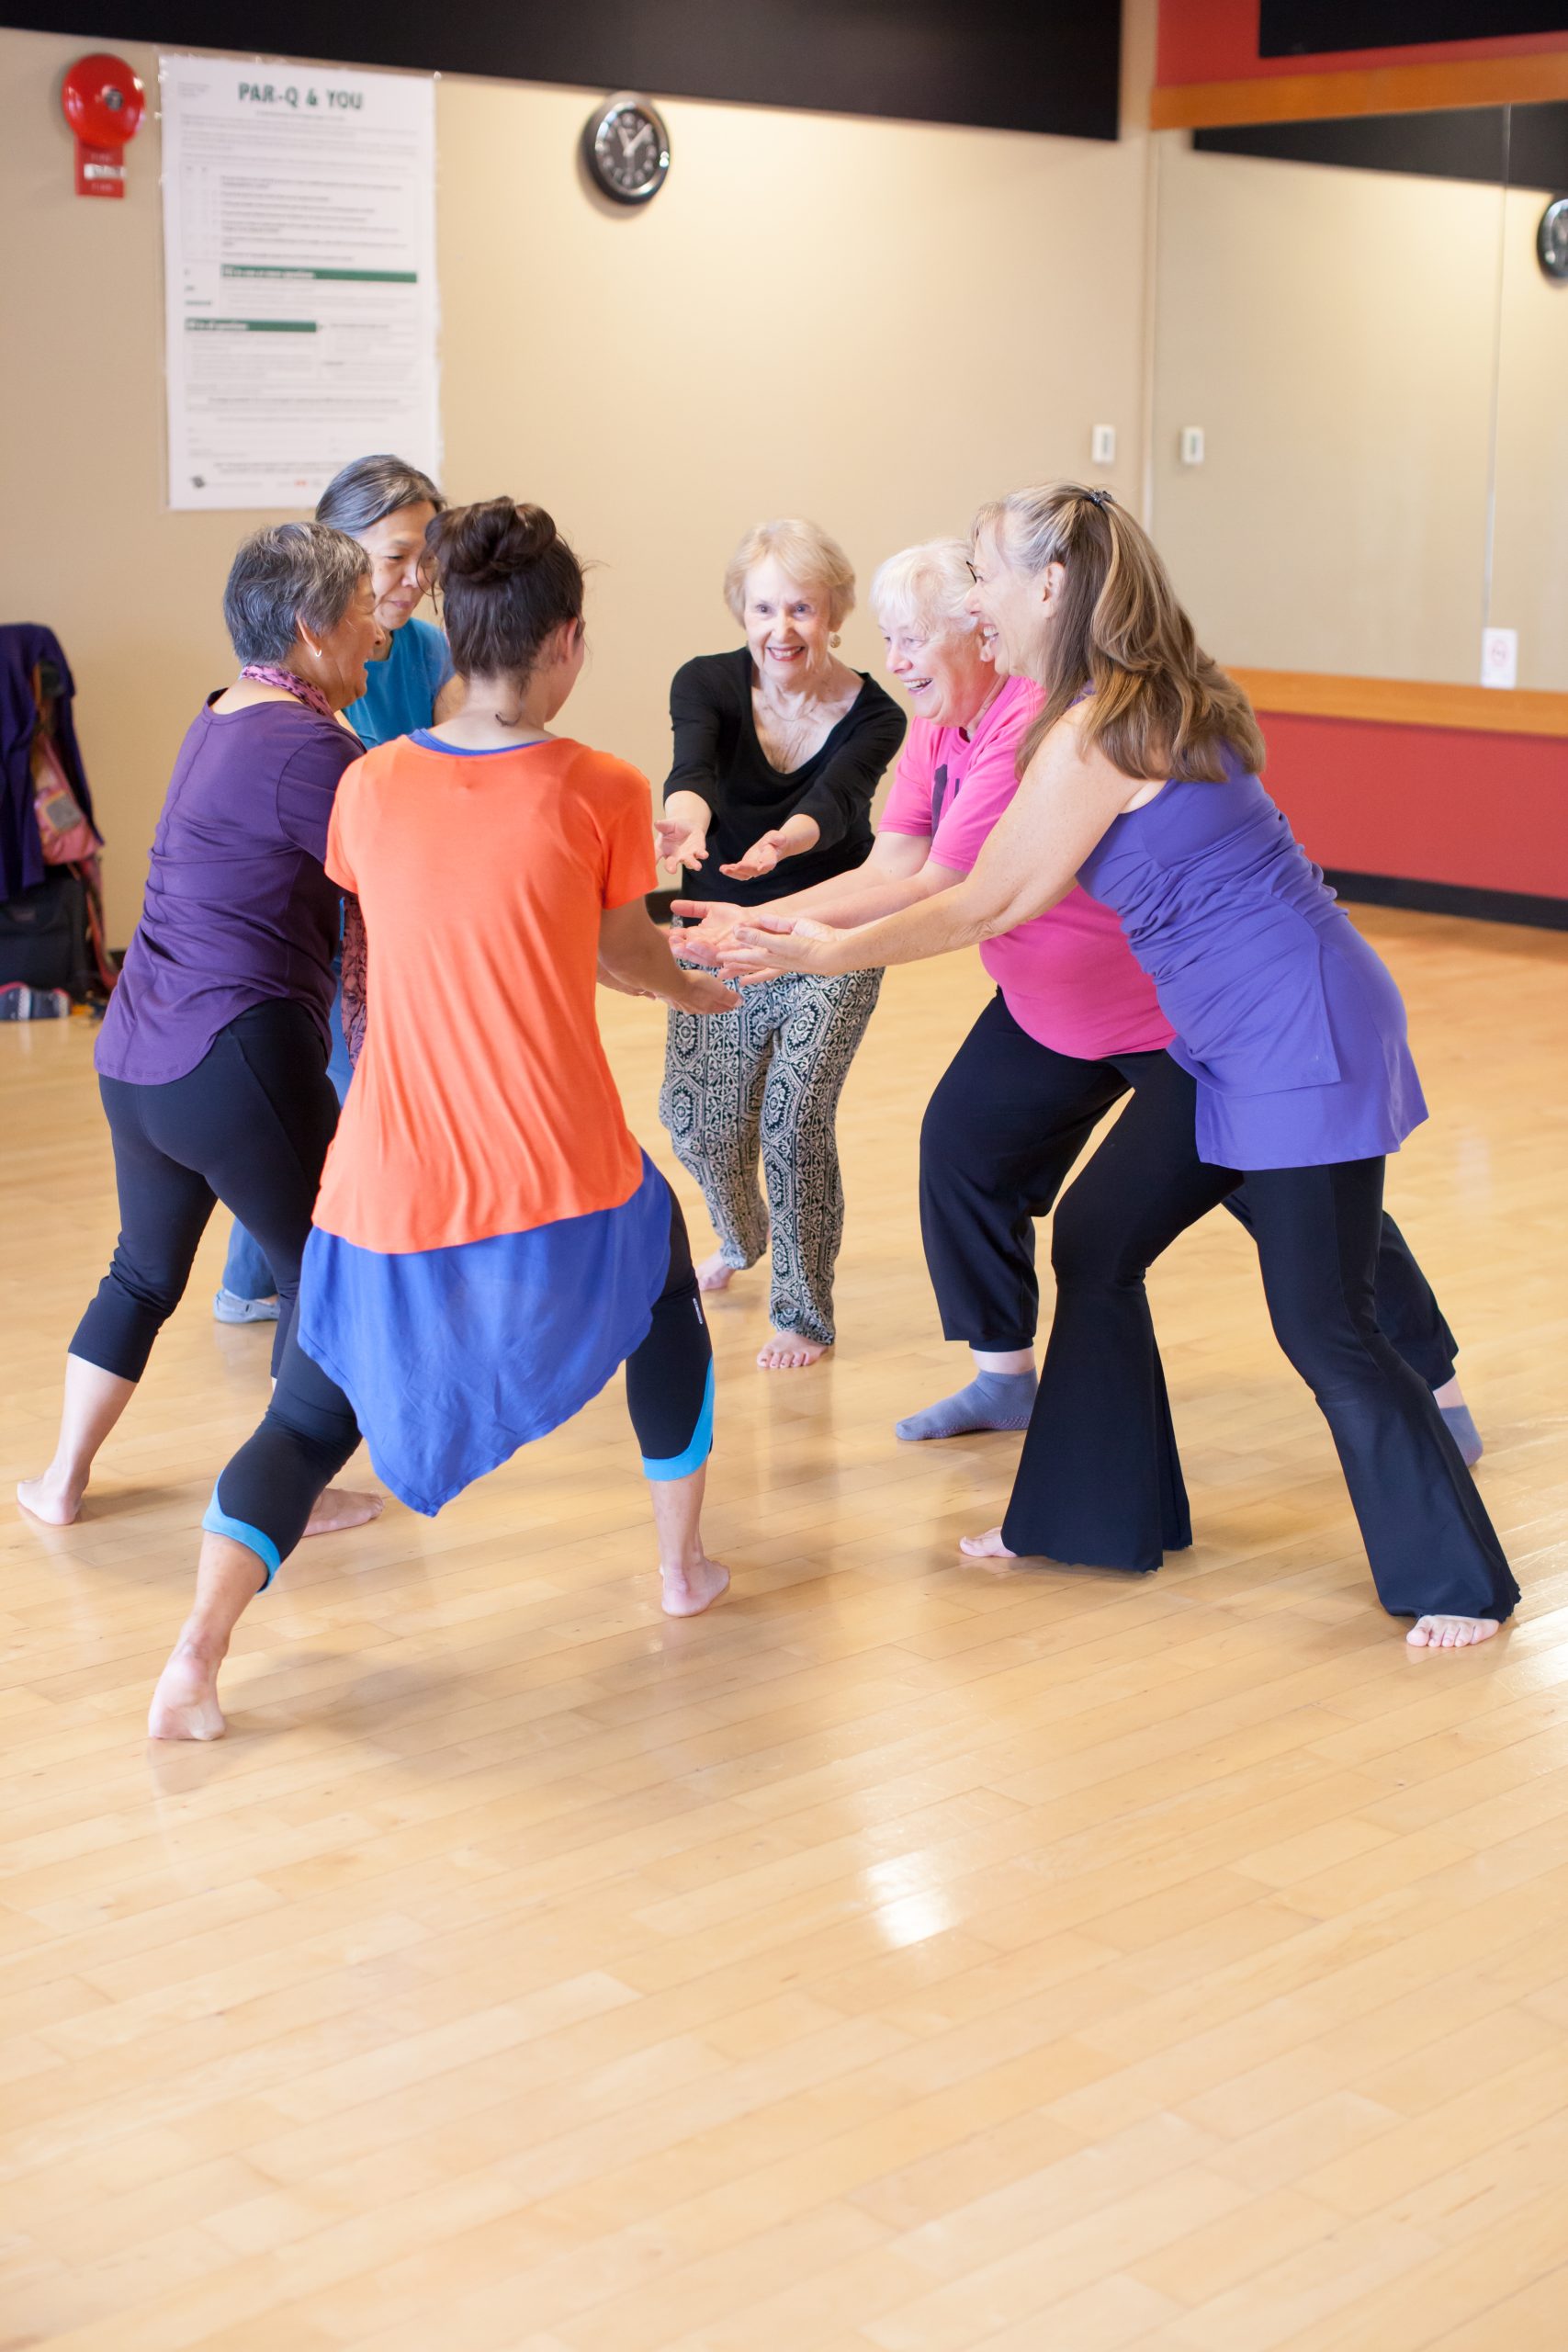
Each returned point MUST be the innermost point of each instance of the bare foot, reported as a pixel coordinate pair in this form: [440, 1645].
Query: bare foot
[989, 1546]
[340, 1508]
[53, 1498]
[687, 1592]
[787, 1350]
[715, 1272]
[185, 1704]
[1450, 1633]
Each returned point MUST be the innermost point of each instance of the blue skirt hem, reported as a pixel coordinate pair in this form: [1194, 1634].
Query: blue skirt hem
[453, 1359]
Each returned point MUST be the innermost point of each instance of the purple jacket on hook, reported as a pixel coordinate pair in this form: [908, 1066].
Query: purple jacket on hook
[23, 645]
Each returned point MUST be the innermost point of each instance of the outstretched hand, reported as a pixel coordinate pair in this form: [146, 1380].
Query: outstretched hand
[701, 989]
[707, 936]
[764, 944]
[680, 845]
[703, 927]
[761, 857]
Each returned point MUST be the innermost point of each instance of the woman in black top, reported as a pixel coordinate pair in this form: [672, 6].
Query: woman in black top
[779, 749]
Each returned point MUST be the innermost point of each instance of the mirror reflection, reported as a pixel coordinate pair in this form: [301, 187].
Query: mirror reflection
[1360, 434]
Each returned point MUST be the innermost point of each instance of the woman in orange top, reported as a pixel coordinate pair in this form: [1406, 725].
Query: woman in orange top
[489, 1241]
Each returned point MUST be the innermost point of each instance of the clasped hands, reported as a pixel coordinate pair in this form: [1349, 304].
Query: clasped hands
[745, 944]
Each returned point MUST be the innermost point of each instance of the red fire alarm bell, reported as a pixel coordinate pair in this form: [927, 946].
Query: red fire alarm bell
[104, 103]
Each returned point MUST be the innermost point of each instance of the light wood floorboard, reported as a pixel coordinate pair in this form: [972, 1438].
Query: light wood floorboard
[904, 1957]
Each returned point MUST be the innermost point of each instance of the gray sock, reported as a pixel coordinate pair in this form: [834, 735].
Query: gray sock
[993, 1400]
[1463, 1432]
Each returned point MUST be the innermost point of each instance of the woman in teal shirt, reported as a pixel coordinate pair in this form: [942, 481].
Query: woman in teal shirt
[386, 505]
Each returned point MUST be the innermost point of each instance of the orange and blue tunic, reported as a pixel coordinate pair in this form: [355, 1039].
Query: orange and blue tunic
[490, 1239]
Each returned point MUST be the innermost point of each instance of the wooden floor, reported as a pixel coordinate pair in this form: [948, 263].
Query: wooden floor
[906, 1957]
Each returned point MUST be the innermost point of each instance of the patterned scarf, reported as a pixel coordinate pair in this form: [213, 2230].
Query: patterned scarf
[264, 673]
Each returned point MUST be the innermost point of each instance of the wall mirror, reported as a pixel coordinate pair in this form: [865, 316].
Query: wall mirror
[1359, 443]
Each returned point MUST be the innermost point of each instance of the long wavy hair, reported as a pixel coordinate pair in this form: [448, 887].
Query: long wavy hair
[1161, 707]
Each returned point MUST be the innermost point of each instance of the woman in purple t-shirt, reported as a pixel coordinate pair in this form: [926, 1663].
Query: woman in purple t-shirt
[212, 1057]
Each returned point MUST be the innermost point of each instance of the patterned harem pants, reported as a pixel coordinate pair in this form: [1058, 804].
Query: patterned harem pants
[766, 1079]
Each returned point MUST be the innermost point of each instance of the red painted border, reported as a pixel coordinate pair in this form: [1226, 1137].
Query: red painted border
[1217, 40]
[1427, 804]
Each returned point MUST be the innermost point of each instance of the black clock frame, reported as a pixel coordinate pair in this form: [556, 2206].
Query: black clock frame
[1549, 251]
[618, 103]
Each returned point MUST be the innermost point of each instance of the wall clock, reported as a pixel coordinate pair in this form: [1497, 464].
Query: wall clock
[1552, 240]
[627, 148]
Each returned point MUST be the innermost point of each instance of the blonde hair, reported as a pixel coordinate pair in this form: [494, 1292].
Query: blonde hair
[1161, 705]
[805, 552]
[926, 586]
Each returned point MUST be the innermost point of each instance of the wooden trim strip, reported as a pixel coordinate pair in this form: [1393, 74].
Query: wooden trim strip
[1406, 702]
[1378, 89]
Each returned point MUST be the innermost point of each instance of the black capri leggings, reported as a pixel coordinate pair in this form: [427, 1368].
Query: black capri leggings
[249, 1126]
[266, 1493]
[1004, 1126]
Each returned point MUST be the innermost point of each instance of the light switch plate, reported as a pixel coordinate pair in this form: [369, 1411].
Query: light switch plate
[1191, 444]
[1102, 445]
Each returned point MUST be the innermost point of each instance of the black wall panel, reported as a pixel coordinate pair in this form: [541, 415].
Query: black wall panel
[1302, 27]
[1469, 143]
[1048, 65]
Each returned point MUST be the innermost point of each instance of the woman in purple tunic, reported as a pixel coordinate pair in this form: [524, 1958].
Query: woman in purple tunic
[1290, 1067]
[212, 1059]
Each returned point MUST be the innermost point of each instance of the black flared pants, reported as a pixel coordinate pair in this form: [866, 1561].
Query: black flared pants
[1007, 1122]
[1100, 1480]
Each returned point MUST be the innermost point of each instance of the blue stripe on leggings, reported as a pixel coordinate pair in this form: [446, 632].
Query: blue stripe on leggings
[681, 1465]
[216, 1522]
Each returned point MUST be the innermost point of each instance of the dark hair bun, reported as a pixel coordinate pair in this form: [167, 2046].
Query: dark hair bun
[490, 542]
[507, 580]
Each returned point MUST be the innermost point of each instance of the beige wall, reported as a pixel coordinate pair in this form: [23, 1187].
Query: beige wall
[872, 323]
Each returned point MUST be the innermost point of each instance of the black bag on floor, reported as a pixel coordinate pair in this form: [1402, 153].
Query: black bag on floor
[43, 936]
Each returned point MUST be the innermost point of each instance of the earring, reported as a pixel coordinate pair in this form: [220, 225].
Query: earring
[835, 639]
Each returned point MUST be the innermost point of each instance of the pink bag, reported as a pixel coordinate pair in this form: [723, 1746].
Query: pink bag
[64, 834]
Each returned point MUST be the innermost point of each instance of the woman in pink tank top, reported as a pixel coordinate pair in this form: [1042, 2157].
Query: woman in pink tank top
[1055, 1047]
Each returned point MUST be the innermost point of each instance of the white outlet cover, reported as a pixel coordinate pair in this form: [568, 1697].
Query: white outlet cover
[1499, 656]
[1191, 444]
[1102, 445]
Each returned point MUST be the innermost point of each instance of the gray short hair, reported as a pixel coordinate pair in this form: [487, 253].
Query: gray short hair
[292, 571]
[926, 587]
[365, 490]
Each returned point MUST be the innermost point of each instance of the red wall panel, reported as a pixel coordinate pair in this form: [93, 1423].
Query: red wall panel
[1427, 804]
